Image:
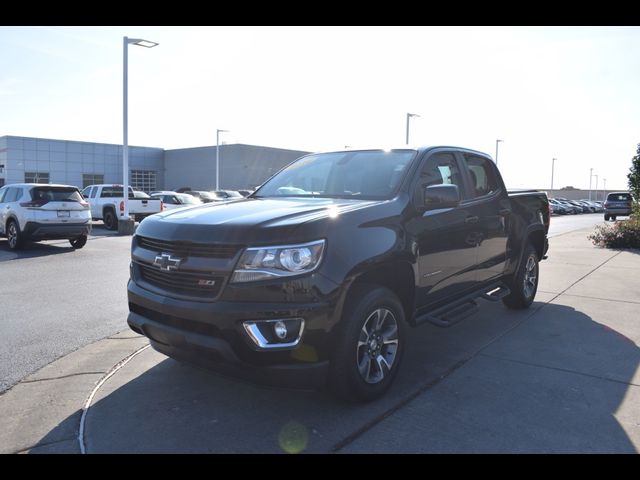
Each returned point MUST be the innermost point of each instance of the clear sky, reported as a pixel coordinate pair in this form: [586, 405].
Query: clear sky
[567, 92]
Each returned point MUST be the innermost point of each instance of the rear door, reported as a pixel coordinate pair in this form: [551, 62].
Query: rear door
[489, 208]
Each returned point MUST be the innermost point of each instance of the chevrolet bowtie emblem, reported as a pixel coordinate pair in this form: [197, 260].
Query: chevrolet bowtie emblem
[167, 262]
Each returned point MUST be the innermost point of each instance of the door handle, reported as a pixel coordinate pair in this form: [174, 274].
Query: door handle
[471, 219]
[504, 212]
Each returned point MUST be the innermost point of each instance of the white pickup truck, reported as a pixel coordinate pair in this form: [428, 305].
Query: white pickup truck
[107, 204]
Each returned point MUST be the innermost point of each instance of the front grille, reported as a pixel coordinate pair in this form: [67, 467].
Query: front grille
[192, 284]
[189, 249]
[176, 322]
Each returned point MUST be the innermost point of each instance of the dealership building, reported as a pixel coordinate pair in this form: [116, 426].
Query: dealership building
[42, 160]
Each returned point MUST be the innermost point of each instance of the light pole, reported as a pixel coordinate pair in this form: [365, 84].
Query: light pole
[218, 131]
[409, 115]
[125, 126]
[553, 164]
[590, 178]
[604, 189]
[498, 143]
[596, 185]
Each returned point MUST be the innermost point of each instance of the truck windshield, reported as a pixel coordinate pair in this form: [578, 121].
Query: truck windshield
[369, 174]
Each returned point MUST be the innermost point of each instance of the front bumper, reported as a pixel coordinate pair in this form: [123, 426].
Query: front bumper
[45, 231]
[211, 334]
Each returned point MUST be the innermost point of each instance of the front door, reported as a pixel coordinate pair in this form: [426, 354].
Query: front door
[446, 239]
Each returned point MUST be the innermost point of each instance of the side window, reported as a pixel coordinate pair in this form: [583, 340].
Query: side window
[94, 191]
[12, 195]
[2, 193]
[483, 178]
[441, 169]
[85, 192]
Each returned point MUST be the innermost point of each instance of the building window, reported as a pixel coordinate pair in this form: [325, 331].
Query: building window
[1, 182]
[1, 168]
[144, 180]
[92, 179]
[36, 177]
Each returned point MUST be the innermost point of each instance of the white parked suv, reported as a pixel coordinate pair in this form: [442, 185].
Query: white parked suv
[37, 211]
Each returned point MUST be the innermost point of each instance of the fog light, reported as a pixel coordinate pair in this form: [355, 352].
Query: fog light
[280, 329]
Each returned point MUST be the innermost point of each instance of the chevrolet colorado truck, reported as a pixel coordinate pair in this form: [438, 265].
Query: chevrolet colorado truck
[316, 278]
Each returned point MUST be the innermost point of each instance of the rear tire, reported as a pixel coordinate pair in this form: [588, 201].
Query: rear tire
[78, 242]
[368, 346]
[613, 217]
[14, 235]
[524, 284]
[606, 218]
[110, 220]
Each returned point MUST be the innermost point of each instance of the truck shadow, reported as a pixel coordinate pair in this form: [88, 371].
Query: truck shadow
[549, 380]
[34, 249]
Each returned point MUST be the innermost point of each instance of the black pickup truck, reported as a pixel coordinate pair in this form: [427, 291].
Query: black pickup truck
[315, 278]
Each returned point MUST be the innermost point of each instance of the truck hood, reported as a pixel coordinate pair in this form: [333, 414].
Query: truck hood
[246, 221]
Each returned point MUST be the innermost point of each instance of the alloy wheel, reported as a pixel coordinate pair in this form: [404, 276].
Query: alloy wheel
[377, 345]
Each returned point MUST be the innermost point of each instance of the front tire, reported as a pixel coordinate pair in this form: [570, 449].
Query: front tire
[14, 235]
[524, 284]
[79, 242]
[369, 344]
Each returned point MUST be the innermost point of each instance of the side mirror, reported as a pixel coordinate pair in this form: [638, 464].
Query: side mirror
[441, 196]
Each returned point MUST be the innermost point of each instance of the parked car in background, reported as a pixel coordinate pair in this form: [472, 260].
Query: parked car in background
[571, 209]
[171, 200]
[618, 203]
[228, 194]
[245, 193]
[35, 211]
[558, 208]
[107, 204]
[204, 196]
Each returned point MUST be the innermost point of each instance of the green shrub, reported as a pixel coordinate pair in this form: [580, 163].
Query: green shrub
[622, 234]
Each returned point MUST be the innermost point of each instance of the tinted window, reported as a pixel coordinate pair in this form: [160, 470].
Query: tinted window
[12, 195]
[441, 169]
[2, 193]
[619, 197]
[483, 178]
[56, 194]
[356, 174]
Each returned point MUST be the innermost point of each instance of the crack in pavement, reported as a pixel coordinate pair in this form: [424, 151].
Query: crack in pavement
[60, 377]
[559, 369]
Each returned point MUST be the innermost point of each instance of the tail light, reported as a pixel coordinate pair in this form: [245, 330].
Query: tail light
[606, 204]
[122, 205]
[35, 203]
[84, 204]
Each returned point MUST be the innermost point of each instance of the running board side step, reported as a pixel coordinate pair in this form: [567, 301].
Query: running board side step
[463, 307]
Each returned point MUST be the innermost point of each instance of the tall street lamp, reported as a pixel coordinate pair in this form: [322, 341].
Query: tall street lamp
[590, 178]
[218, 131]
[409, 115]
[604, 189]
[124, 224]
[553, 164]
[596, 185]
[498, 143]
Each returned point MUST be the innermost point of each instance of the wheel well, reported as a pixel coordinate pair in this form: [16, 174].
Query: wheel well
[397, 277]
[536, 238]
[107, 208]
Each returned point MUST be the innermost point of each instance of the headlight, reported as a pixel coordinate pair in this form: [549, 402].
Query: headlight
[262, 263]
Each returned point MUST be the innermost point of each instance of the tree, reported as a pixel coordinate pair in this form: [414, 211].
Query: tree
[634, 175]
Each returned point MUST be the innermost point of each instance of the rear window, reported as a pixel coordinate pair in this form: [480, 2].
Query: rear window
[56, 194]
[619, 197]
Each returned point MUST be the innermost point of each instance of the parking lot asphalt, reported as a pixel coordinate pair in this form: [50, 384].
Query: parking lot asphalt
[560, 377]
